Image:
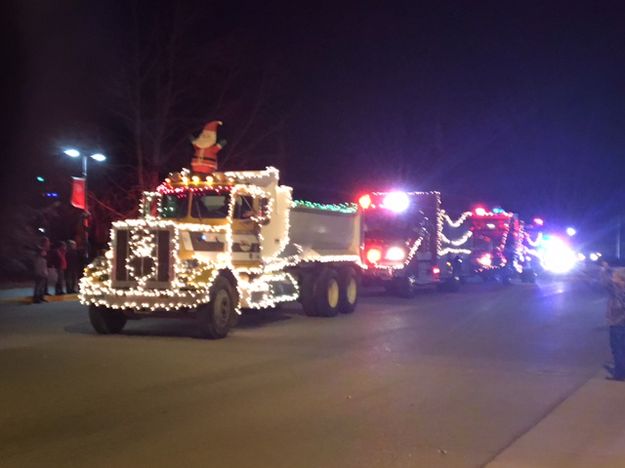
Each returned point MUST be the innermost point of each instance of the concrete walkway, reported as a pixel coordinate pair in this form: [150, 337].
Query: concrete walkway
[586, 430]
[25, 296]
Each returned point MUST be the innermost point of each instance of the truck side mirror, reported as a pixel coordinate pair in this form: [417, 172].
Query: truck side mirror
[263, 215]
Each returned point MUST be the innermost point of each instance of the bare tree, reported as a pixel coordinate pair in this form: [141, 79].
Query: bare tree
[171, 79]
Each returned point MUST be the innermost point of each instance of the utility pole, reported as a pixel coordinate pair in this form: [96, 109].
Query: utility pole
[618, 237]
[99, 157]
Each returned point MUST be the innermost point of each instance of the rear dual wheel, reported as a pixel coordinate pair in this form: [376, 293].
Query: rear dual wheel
[349, 287]
[329, 292]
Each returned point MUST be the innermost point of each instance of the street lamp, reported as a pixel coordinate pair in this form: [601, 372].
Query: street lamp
[571, 231]
[74, 153]
[99, 157]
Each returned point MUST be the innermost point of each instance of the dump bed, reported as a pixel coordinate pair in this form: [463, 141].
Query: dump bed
[322, 230]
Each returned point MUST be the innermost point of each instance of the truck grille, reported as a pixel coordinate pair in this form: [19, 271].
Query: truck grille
[130, 264]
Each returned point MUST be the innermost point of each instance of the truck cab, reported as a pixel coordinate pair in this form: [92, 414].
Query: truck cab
[496, 244]
[402, 240]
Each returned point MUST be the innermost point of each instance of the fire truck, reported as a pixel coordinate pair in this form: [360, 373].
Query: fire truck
[402, 241]
[206, 247]
[496, 246]
[532, 236]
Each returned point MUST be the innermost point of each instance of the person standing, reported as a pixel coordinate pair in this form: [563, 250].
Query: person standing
[44, 244]
[41, 277]
[616, 322]
[61, 251]
[73, 267]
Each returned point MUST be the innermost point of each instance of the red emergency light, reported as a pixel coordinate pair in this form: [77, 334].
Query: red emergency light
[365, 201]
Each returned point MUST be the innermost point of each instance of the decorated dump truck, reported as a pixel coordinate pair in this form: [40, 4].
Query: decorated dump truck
[206, 247]
[403, 244]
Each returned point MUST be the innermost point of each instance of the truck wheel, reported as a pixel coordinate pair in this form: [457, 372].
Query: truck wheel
[528, 276]
[106, 321]
[406, 286]
[450, 285]
[327, 293]
[307, 294]
[348, 290]
[218, 316]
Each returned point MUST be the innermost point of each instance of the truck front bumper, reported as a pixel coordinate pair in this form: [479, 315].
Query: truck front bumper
[148, 300]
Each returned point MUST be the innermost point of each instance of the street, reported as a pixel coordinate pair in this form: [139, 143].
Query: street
[444, 379]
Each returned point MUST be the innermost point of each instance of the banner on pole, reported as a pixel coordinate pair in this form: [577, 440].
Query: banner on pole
[78, 193]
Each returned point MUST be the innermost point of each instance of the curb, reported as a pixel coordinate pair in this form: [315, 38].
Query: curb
[29, 300]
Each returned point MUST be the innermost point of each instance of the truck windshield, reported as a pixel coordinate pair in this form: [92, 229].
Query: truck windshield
[210, 206]
[382, 224]
[174, 206]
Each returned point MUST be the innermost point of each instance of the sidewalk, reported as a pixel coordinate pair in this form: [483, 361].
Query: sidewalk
[25, 296]
[586, 430]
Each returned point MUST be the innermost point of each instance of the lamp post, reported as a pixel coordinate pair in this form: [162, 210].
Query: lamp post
[99, 157]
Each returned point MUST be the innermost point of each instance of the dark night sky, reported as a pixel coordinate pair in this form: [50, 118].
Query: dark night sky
[512, 103]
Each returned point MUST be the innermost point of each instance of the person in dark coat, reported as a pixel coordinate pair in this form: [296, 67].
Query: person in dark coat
[616, 321]
[57, 264]
[74, 263]
[40, 266]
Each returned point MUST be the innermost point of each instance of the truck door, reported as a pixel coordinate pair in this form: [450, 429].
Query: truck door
[245, 231]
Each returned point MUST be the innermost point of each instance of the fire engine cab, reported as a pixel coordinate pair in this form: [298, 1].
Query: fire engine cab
[402, 242]
[496, 245]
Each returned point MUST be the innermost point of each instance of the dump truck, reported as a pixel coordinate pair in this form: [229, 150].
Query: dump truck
[206, 247]
[403, 242]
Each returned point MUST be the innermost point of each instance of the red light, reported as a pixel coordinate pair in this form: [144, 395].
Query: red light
[365, 201]
[436, 270]
[374, 255]
[480, 211]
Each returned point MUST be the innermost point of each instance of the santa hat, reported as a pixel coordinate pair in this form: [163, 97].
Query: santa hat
[212, 126]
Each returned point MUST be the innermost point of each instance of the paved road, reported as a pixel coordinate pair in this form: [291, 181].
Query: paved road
[440, 380]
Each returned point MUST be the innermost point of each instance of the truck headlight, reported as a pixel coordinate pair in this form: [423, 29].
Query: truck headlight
[374, 255]
[395, 254]
[485, 260]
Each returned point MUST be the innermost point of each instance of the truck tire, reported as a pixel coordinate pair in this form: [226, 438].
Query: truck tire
[307, 294]
[217, 317]
[454, 284]
[327, 293]
[449, 285]
[406, 286]
[528, 276]
[106, 321]
[348, 290]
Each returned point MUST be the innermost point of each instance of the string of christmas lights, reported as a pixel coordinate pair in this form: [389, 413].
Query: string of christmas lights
[457, 223]
[348, 208]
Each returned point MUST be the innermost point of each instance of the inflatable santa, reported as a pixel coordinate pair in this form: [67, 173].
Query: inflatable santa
[206, 149]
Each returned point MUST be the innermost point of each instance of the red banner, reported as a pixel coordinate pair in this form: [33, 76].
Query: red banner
[78, 193]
